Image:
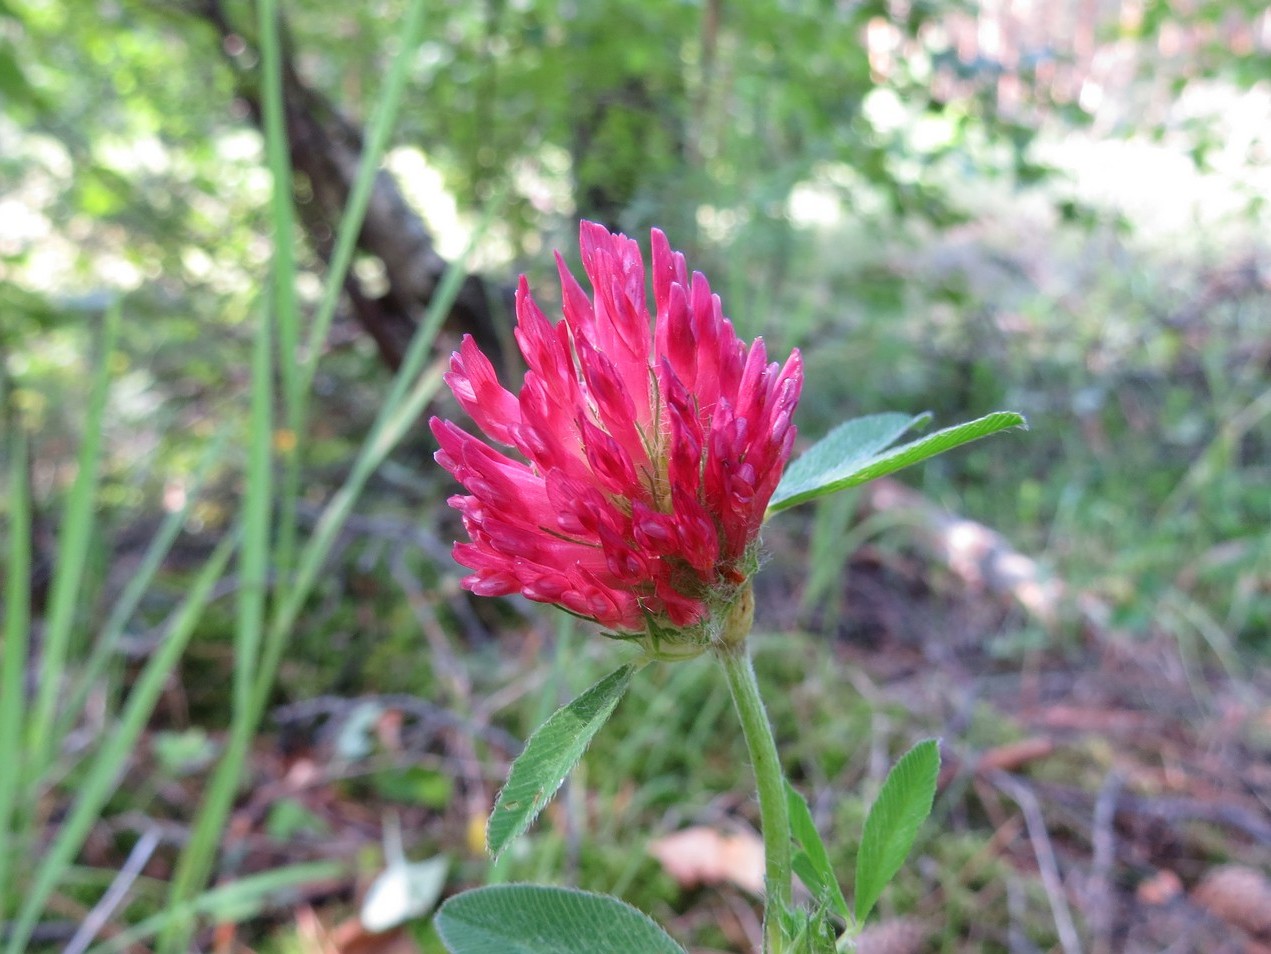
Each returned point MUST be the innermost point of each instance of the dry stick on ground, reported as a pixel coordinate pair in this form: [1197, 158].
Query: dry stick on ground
[1169, 808]
[1099, 903]
[983, 559]
[454, 677]
[99, 916]
[434, 716]
[326, 150]
[1047, 865]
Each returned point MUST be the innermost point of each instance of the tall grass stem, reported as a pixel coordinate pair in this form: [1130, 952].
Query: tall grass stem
[73, 541]
[107, 642]
[17, 634]
[111, 759]
[285, 317]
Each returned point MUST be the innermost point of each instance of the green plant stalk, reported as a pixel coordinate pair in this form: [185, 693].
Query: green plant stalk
[407, 396]
[285, 317]
[253, 565]
[254, 559]
[17, 631]
[411, 390]
[774, 814]
[400, 411]
[375, 141]
[237, 900]
[111, 759]
[106, 644]
[72, 557]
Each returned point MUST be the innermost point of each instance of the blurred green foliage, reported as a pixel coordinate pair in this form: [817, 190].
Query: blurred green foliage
[930, 241]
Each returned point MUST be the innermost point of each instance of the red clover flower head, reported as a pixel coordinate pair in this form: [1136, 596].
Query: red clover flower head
[648, 447]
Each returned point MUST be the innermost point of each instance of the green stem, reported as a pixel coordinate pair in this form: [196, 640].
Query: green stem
[770, 782]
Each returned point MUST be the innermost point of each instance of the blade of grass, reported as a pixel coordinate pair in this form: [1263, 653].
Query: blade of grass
[827, 554]
[237, 900]
[405, 401]
[407, 396]
[107, 641]
[832, 549]
[257, 513]
[285, 313]
[374, 143]
[1217, 455]
[17, 633]
[107, 767]
[195, 862]
[72, 556]
[253, 566]
[196, 858]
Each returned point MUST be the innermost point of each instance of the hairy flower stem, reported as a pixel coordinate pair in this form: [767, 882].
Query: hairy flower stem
[770, 782]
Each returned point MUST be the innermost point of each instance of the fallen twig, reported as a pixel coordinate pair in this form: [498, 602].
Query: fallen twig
[1052, 881]
[984, 559]
[118, 890]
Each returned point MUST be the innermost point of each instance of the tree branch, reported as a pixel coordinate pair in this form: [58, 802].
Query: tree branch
[326, 150]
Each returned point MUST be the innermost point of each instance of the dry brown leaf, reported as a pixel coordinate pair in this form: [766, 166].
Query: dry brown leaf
[388, 729]
[348, 937]
[1013, 755]
[701, 855]
[1160, 888]
[1239, 895]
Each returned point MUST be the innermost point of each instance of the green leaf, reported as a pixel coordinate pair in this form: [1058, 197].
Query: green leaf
[14, 657]
[13, 82]
[414, 785]
[892, 824]
[532, 919]
[839, 454]
[288, 818]
[553, 749]
[855, 453]
[181, 753]
[810, 932]
[812, 861]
